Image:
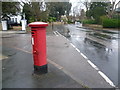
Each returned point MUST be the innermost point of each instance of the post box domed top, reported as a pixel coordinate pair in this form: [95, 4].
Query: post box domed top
[37, 24]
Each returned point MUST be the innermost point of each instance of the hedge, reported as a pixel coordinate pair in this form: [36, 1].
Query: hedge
[89, 22]
[69, 22]
[111, 23]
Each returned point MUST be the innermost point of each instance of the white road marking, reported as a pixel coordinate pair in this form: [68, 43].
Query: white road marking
[72, 45]
[58, 33]
[62, 36]
[83, 55]
[106, 78]
[93, 65]
[67, 39]
[55, 33]
[77, 50]
[75, 47]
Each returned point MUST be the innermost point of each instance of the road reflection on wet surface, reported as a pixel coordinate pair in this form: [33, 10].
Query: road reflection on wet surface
[102, 50]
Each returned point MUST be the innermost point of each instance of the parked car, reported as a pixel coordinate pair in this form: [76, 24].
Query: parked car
[78, 24]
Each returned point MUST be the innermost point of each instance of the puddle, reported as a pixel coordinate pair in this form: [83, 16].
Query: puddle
[9, 53]
[110, 32]
[96, 44]
[102, 36]
[86, 30]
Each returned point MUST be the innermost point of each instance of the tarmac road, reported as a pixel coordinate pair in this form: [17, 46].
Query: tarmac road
[103, 52]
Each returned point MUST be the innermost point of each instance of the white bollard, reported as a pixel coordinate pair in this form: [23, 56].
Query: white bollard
[24, 22]
[4, 25]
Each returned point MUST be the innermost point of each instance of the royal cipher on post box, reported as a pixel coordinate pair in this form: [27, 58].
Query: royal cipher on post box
[38, 32]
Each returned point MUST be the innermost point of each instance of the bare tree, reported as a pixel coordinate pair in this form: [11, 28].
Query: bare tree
[112, 7]
[117, 4]
[34, 10]
[87, 4]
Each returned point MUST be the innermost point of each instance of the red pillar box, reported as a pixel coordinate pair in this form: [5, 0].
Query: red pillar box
[39, 46]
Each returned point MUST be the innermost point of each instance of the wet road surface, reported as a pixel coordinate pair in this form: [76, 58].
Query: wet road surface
[101, 47]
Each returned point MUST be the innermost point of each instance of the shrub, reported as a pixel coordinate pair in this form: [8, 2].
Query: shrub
[79, 21]
[89, 22]
[51, 19]
[102, 18]
[111, 23]
[31, 20]
[69, 22]
[116, 16]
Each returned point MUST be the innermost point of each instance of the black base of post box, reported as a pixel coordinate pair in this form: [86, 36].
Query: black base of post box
[40, 69]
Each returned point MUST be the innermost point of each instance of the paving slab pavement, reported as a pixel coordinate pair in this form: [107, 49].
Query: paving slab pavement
[18, 73]
[11, 31]
[17, 68]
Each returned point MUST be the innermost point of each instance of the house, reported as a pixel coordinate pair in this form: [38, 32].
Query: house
[12, 19]
[16, 19]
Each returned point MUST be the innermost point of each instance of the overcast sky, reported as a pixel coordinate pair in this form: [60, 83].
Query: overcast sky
[77, 4]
